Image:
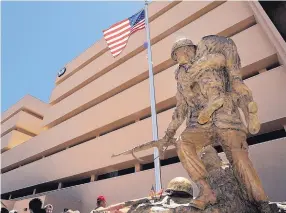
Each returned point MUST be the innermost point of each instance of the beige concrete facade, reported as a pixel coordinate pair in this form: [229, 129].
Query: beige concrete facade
[13, 139]
[21, 122]
[101, 106]
[29, 103]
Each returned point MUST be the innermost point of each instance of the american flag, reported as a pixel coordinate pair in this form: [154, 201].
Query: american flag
[118, 34]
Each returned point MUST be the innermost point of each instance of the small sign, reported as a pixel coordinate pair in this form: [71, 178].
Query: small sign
[61, 72]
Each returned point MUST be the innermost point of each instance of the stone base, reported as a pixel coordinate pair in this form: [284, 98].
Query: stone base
[230, 199]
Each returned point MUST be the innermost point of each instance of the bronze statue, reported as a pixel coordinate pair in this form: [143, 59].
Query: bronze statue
[209, 91]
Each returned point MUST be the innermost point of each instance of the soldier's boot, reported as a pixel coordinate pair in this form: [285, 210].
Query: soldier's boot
[206, 196]
[206, 113]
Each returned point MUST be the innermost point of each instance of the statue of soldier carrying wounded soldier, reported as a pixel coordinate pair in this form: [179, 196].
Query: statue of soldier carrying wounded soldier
[210, 92]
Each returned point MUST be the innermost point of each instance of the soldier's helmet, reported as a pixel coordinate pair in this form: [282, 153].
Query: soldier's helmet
[183, 42]
[180, 187]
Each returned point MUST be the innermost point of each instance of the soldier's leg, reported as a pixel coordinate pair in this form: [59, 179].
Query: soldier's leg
[236, 150]
[189, 145]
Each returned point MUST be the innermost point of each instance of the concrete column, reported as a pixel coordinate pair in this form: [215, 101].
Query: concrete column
[67, 147]
[60, 185]
[34, 192]
[138, 167]
[10, 196]
[262, 71]
[285, 127]
[93, 178]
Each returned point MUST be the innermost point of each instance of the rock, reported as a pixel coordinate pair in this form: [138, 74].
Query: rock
[230, 198]
[278, 207]
[231, 195]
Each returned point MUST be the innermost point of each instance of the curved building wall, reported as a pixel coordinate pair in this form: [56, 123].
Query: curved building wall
[21, 122]
[101, 106]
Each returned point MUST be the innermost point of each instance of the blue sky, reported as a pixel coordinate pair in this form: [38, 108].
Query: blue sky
[39, 38]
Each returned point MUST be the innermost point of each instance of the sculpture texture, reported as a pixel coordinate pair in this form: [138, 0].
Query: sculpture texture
[209, 92]
[210, 95]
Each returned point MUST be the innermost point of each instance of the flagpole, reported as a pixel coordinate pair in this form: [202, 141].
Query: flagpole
[153, 105]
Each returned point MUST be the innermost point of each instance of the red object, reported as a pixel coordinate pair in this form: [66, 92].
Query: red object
[101, 198]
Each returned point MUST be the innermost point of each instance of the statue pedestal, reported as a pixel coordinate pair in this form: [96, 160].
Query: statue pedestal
[230, 198]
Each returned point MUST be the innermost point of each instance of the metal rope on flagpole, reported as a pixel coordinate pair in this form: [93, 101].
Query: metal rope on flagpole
[157, 166]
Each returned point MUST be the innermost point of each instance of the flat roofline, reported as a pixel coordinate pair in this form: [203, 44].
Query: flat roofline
[23, 104]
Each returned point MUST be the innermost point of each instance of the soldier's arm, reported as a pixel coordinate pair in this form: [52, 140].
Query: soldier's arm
[178, 117]
[233, 62]
[209, 61]
[241, 93]
[233, 66]
[213, 61]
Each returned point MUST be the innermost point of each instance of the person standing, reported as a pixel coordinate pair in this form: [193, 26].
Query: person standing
[49, 208]
[101, 202]
[35, 206]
